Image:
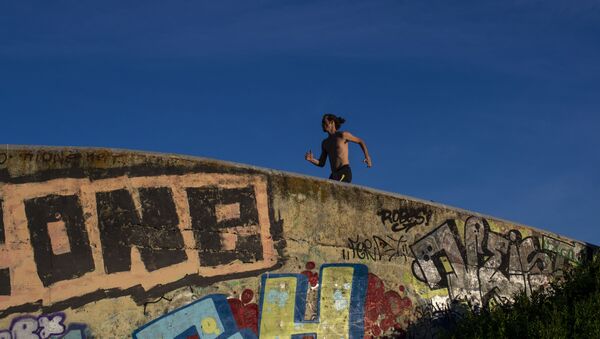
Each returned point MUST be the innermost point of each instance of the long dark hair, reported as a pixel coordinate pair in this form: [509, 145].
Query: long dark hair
[337, 120]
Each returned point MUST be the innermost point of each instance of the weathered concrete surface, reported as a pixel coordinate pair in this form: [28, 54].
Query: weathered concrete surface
[111, 244]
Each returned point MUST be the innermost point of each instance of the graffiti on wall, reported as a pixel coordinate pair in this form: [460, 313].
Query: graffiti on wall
[81, 240]
[488, 266]
[340, 307]
[62, 157]
[405, 218]
[377, 248]
[42, 327]
[564, 251]
[209, 317]
[349, 303]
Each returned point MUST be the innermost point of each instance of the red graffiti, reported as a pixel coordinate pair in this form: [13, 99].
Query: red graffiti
[244, 312]
[313, 278]
[384, 310]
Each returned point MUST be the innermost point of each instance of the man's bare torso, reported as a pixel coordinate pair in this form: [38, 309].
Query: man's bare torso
[336, 147]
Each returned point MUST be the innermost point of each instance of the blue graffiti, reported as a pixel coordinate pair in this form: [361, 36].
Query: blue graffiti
[206, 318]
[278, 297]
[74, 331]
[211, 317]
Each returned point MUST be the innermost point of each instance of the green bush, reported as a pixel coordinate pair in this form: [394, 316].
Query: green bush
[567, 308]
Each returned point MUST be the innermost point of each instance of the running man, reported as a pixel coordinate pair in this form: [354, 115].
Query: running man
[335, 146]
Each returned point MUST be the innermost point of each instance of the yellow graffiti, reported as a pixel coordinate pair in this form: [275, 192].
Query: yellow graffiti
[495, 227]
[279, 305]
[447, 265]
[209, 326]
[460, 227]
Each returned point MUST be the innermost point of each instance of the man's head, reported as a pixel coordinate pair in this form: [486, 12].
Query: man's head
[331, 123]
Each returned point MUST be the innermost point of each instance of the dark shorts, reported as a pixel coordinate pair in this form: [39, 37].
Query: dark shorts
[343, 173]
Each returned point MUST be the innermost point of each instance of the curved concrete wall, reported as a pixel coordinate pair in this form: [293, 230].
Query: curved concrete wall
[113, 244]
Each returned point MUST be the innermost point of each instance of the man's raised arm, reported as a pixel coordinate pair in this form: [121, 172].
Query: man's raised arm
[348, 136]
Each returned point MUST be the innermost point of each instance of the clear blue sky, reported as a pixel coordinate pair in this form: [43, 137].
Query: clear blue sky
[491, 106]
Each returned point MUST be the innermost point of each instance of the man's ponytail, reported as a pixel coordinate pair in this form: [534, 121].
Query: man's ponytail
[337, 120]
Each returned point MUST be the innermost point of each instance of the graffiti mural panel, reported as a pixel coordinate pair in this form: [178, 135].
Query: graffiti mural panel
[42, 327]
[339, 311]
[486, 266]
[111, 244]
[350, 303]
[71, 237]
[209, 318]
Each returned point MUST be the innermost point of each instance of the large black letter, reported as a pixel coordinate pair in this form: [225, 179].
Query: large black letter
[4, 272]
[53, 267]
[157, 236]
[203, 202]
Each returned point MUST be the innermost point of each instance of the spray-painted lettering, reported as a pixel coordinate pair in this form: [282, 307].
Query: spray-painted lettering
[42, 327]
[141, 232]
[351, 303]
[403, 219]
[487, 266]
[377, 248]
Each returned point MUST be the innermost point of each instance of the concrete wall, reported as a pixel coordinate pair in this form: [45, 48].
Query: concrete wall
[113, 244]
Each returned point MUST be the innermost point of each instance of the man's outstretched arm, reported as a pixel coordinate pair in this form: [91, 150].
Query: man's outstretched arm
[362, 144]
[320, 162]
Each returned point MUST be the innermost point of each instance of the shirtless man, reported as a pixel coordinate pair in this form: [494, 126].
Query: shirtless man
[335, 146]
